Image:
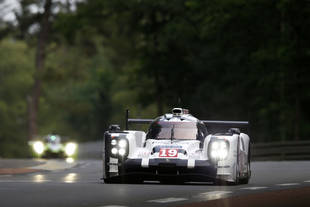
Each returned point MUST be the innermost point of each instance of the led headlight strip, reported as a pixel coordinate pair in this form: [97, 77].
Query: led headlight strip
[218, 149]
[119, 146]
[70, 148]
[38, 147]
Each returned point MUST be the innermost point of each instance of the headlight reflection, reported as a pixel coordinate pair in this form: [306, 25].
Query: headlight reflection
[70, 178]
[39, 178]
[213, 195]
[70, 160]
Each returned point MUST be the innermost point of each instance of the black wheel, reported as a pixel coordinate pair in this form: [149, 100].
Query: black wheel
[237, 171]
[247, 178]
[237, 179]
[219, 182]
[244, 180]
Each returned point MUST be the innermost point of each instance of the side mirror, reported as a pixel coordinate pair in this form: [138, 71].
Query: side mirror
[114, 127]
[234, 130]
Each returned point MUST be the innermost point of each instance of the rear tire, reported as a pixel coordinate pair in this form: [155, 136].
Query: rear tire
[219, 182]
[237, 171]
[247, 178]
[244, 180]
[237, 179]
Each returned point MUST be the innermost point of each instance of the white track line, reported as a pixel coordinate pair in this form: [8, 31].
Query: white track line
[213, 195]
[254, 188]
[287, 184]
[167, 200]
[307, 181]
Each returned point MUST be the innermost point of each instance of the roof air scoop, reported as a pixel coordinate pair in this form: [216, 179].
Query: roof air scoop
[179, 111]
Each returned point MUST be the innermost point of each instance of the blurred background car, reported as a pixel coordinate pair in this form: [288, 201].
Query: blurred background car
[51, 146]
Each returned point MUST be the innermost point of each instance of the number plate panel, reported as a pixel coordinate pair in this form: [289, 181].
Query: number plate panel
[168, 152]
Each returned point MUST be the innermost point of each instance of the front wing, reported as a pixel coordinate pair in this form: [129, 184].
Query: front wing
[200, 170]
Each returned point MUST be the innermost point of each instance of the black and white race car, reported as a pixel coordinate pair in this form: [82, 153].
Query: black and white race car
[179, 147]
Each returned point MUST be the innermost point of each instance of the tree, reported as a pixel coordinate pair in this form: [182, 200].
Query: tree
[39, 65]
[16, 70]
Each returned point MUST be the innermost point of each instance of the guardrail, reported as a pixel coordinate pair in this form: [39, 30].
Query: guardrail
[289, 150]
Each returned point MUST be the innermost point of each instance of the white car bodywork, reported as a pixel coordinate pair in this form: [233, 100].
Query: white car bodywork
[184, 153]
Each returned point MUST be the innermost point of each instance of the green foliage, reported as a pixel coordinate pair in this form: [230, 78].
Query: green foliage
[16, 68]
[222, 59]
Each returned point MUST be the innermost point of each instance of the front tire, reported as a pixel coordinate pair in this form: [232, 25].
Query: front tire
[248, 174]
[237, 175]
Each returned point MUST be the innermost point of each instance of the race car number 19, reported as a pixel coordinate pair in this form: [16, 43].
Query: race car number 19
[168, 153]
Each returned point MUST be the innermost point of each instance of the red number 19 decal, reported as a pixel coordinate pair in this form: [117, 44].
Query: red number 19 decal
[168, 153]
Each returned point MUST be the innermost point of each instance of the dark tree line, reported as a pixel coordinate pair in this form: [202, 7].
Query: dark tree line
[222, 59]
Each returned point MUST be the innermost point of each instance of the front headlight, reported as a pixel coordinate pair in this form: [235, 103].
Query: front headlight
[218, 149]
[70, 148]
[114, 151]
[122, 152]
[119, 147]
[38, 147]
[122, 143]
[113, 142]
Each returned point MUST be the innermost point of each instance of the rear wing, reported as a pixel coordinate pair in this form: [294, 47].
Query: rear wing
[234, 123]
[213, 126]
[135, 121]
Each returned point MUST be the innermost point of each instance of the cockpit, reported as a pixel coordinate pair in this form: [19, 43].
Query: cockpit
[175, 130]
[52, 139]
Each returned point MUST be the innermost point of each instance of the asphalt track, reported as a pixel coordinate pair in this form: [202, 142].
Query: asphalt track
[272, 184]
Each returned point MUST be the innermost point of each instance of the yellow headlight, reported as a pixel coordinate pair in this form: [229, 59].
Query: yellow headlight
[38, 147]
[70, 148]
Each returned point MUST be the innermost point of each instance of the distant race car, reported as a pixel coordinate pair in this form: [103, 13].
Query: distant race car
[52, 146]
[177, 147]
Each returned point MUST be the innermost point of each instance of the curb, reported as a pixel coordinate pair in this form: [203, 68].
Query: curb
[15, 171]
[47, 165]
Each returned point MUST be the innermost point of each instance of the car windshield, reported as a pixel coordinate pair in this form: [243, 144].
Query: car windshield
[172, 130]
[53, 139]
